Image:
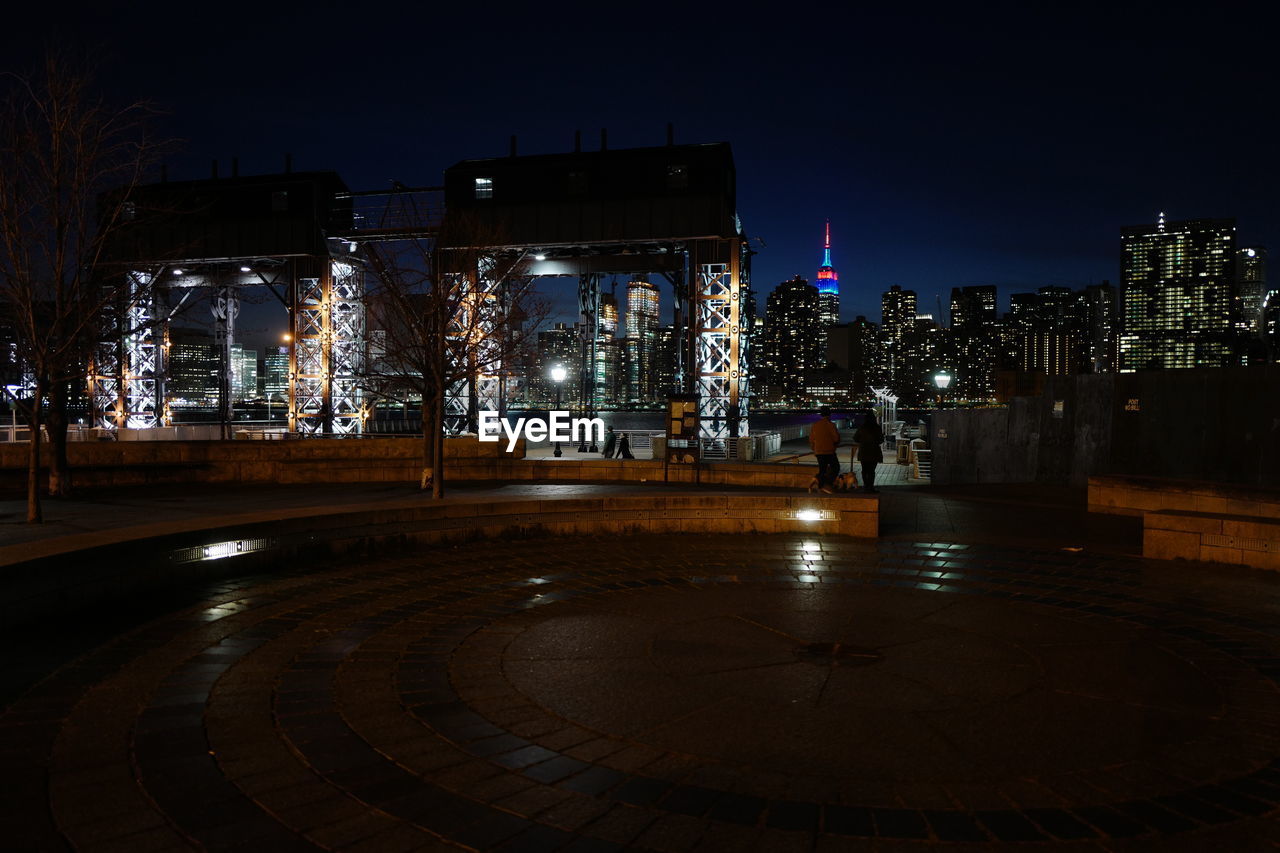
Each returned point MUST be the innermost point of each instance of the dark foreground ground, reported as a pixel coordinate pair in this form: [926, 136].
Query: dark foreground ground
[997, 672]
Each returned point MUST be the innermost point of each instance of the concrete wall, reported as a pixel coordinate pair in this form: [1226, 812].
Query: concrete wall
[1219, 425]
[394, 460]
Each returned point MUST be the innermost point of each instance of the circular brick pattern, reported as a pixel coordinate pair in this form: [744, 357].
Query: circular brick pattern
[668, 693]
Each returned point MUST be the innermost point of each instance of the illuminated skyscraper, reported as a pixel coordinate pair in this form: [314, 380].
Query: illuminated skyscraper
[642, 324]
[1177, 284]
[791, 347]
[607, 351]
[828, 287]
[1251, 287]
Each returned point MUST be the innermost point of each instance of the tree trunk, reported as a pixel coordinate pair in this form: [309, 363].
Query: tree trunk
[437, 446]
[56, 425]
[428, 455]
[34, 515]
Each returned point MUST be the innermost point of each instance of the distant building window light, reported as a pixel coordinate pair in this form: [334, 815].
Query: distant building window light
[279, 201]
[677, 177]
[484, 187]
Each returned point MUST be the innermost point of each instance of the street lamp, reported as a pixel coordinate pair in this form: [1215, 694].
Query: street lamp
[558, 374]
[942, 379]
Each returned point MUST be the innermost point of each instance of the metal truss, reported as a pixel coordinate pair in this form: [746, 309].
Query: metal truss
[589, 334]
[142, 370]
[104, 375]
[126, 382]
[484, 304]
[308, 368]
[721, 353]
[346, 348]
[328, 352]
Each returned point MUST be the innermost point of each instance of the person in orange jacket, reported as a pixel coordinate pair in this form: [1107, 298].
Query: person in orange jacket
[824, 438]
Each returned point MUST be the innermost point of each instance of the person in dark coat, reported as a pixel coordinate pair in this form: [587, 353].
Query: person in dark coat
[868, 439]
[610, 440]
[624, 448]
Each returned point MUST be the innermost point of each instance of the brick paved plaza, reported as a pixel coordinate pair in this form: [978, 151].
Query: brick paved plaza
[988, 690]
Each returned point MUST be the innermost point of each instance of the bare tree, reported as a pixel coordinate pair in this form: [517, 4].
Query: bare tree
[62, 148]
[445, 311]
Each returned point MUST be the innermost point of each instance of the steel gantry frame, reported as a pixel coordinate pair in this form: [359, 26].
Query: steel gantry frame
[719, 345]
[325, 301]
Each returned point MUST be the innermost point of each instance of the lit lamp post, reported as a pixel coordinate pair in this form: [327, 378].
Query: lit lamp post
[557, 376]
[942, 379]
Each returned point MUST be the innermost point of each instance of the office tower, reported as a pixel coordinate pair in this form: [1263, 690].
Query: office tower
[898, 310]
[558, 345]
[1176, 294]
[898, 317]
[244, 373]
[791, 346]
[642, 321]
[1100, 309]
[828, 287]
[275, 366]
[865, 356]
[975, 331]
[1251, 288]
[194, 368]
[607, 352]
[664, 358]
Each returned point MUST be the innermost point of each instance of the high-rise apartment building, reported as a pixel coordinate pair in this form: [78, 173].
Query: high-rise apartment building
[898, 310]
[558, 345]
[791, 346]
[1177, 294]
[642, 324]
[975, 332]
[898, 322]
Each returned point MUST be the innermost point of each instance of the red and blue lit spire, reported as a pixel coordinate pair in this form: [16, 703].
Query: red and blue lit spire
[828, 278]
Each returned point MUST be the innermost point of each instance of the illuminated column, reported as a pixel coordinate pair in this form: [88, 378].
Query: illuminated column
[721, 354]
[142, 370]
[308, 361]
[326, 351]
[346, 348]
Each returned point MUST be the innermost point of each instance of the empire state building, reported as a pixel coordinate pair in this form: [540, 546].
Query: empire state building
[828, 287]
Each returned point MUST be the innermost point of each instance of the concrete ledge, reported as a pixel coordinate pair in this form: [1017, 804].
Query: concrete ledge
[1136, 495]
[50, 576]
[1188, 535]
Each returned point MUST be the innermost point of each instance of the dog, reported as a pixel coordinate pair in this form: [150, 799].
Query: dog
[847, 482]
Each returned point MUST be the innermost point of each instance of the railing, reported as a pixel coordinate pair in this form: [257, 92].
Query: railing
[14, 434]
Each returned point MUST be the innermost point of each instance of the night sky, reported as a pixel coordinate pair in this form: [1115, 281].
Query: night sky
[956, 148]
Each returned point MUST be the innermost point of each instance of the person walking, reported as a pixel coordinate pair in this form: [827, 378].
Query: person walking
[869, 437]
[610, 440]
[624, 448]
[824, 438]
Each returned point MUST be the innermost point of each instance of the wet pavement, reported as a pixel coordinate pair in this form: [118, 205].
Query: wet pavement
[997, 672]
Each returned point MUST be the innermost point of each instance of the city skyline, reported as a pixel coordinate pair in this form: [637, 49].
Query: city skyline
[955, 149]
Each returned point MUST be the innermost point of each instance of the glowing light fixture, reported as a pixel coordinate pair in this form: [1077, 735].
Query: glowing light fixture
[809, 515]
[558, 373]
[539, 257]
[177, 272]
[942, 379]
[245, 269]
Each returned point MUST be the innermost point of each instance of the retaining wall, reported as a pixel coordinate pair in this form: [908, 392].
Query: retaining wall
[53, 577]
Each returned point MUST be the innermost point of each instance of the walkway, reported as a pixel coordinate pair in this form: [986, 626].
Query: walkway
[995, 672]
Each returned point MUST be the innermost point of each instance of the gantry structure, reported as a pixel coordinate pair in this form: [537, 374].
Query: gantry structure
[667, 211]
[218, 237]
